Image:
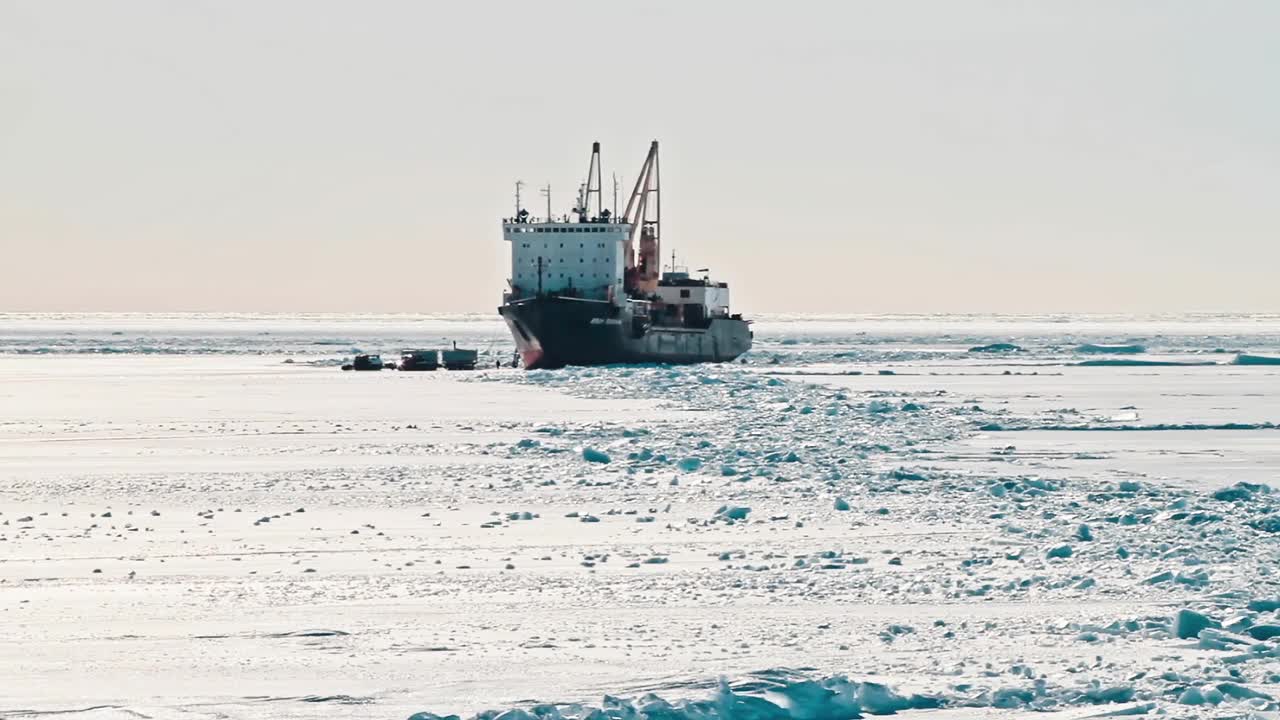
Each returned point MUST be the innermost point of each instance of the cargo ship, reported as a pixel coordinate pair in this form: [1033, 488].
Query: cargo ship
[586, 287]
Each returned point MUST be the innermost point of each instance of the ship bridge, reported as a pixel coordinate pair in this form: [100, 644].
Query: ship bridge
[567, 258]
[592, 253]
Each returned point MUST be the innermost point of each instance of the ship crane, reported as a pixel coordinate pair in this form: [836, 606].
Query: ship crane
[644, 270]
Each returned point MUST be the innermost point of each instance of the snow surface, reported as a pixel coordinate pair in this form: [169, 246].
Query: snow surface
[191, 526]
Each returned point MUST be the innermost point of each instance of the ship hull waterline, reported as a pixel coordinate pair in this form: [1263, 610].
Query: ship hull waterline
[553, 332]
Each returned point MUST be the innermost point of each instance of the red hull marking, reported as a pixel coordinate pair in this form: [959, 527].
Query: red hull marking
[531, 358]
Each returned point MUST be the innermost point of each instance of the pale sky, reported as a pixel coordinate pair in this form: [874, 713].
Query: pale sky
[835, 157]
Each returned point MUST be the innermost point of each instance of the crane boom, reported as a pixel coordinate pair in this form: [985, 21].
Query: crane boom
[645, 267]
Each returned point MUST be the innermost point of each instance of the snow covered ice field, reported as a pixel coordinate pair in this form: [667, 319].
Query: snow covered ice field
[939, 517]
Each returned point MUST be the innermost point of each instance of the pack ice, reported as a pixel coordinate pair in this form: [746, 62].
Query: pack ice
[885, 516]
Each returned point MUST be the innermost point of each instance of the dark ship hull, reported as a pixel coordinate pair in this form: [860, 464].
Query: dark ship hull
[552, 332]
